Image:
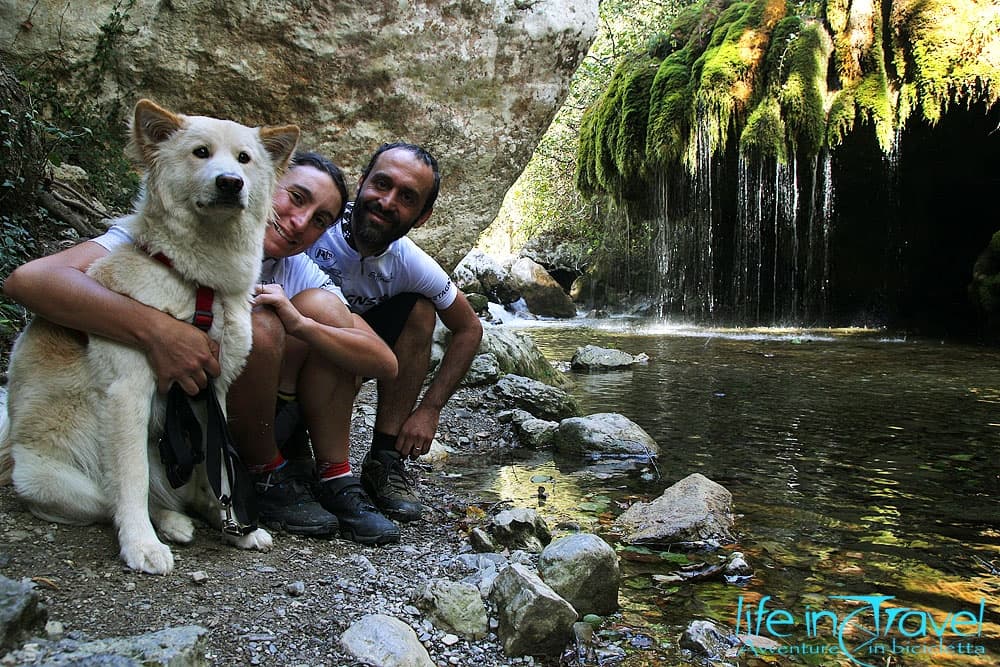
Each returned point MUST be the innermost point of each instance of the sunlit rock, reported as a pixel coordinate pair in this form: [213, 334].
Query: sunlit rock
[534, 619]
[583, 569]
[544, 296]
[605, 434]
[694, 510]
[377, 639]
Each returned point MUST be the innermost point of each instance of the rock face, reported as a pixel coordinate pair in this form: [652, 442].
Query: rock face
[477, 83]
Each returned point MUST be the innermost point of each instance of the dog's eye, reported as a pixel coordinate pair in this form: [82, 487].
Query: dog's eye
[243, 157]
[201, 152]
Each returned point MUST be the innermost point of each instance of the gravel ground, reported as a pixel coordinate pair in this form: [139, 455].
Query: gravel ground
[288, 606]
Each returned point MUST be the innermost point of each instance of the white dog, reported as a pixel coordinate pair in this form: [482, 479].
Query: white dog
[84, 413]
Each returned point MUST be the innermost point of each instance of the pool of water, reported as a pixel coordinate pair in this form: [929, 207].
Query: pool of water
[860, 464]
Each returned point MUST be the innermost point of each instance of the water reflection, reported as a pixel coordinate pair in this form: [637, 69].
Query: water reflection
[858, 461]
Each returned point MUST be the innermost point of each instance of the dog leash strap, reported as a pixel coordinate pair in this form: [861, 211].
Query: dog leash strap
[203, 298]
[203, 308]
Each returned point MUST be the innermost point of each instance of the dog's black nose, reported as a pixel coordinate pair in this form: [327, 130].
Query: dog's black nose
[229, 183]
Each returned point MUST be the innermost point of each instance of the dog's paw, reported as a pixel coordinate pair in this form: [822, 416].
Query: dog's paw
[174, 526]
[259, 539]
[149, 557]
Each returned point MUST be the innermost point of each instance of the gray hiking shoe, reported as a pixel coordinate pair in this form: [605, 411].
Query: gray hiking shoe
[285, 502]
[384, 477]
[359, 520]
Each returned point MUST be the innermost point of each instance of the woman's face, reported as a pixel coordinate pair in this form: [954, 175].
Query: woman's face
[306, 203]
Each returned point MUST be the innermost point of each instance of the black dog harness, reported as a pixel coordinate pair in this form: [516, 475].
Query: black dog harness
[183, 434]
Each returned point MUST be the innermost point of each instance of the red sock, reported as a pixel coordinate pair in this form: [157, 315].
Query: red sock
[330, 469]
[276, 463]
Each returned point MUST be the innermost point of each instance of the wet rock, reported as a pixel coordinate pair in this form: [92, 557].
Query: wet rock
[22, 613]
[605, 434]
[455, 606]
[533, 619]
[583, 569]
[541, 400]
[480, 302]
[738, 570]
[536, 433]
[545, 297]
[705, 639]
[485, 369]
[384, 641]
[520, 528]
[695, 509]
[594, 358]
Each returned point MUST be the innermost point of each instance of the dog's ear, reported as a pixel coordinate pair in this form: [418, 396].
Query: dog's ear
[280, 142]
[151, 125]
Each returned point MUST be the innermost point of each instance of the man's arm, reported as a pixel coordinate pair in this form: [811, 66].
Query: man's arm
[57, 288]
[418, 430]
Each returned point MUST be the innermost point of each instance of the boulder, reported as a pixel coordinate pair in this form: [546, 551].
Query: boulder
[541, 400]
[485, 369]
[594, 358]
[384, 641]
[520, 528]
[583, 569]
[706, 640]
[515, 352]
[478, 272]
[536, 433]
[454, 606]
[695, 510]
[605, 434]
[534, 620]
[182, 646]
[477, 83]
[22, 613]
[545, 297]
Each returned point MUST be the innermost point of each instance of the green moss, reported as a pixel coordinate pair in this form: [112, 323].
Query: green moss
[765, 132]
[803, 88]
[630, 147]
[946, 51]
[670, 109]
[985, 287]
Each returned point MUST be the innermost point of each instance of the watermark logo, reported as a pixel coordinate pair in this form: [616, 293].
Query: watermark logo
[866, 634]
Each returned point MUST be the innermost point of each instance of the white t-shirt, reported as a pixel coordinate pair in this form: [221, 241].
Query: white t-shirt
[368, 281]
[294, 274]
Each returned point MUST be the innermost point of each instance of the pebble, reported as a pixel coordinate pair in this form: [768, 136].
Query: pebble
[295, 588]
[199, 577]
[449, 639]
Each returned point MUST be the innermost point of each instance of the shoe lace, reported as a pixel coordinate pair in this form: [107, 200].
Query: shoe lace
[399, 478]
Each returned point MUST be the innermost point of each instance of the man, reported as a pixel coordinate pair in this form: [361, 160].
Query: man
[397, 288]
[305, 343]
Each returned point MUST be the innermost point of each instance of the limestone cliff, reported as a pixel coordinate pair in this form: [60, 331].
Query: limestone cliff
[475, 81]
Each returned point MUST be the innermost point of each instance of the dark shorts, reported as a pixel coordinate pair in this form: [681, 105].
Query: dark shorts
[389, 317]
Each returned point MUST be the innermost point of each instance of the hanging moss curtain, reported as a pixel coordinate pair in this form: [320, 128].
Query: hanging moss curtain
[785, 79]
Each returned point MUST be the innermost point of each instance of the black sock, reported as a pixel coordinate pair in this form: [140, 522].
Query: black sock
[383, 442]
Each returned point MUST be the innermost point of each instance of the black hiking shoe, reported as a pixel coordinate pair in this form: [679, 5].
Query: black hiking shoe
[285, 502]
[385, 479]
[359, 520]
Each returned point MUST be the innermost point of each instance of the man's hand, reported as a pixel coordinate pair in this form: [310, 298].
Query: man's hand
[417, 431]
[184, 354]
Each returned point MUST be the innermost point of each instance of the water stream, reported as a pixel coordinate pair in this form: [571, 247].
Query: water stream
[860, 464]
